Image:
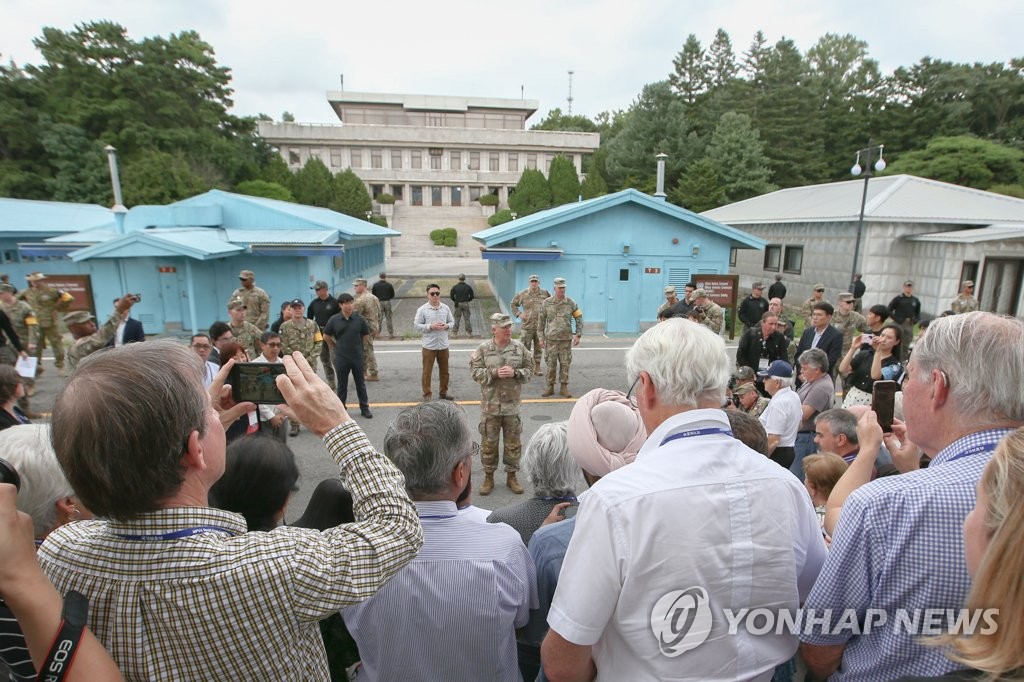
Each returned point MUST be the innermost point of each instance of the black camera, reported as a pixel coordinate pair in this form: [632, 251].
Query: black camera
[8, 474]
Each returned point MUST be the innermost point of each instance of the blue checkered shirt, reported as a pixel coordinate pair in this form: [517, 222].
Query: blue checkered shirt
[899, 545]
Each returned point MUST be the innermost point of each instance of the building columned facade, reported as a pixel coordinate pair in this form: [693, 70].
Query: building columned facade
[429, 150]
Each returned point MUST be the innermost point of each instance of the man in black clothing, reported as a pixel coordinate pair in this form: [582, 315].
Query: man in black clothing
[384, 292]
[822, 335]
[344, 333]
[461, 294]
[857, 288]
[905, 310]
[762, 345]
[753, 307]
[320, 310]
[777, 290]
[685, 305]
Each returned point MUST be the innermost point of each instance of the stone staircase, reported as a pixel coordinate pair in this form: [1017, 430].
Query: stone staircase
[416, 223]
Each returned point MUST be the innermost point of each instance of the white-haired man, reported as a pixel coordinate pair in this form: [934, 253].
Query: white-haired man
[638, 560]
[898, 545]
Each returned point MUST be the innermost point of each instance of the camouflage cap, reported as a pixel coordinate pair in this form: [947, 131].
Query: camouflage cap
[559, 282]
[534, 278]
[35, 276]
[819, 287]
[501, 320]
[7, 288]
[744, 374]
[320, 284]
[247, 274]
[967, 283]
[743, 389]
[670, 289]
[236, 304]
[846, 297]
[296, 303]
[78, 317]
[908, 283]
[700, 293]
[358, 281]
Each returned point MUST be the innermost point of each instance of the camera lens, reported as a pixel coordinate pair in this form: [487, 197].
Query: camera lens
[8, 474]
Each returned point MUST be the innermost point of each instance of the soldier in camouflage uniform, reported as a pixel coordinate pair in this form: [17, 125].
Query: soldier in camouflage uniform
[23, 320]
[368, 306]
[89, 338]
[530, 300]
[257, 302]
[46, 302]
[965, 301]
[670, 300]
[244, 333]
[501, 366]
[713, 317]
[817, 296]
[557, 316]
[848, 321]
[303, 335]
[751, 402]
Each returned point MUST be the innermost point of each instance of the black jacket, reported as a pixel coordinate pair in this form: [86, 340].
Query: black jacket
[753, 346]
[751, 310]
[777, 290]
[461, 293]
[831, 342]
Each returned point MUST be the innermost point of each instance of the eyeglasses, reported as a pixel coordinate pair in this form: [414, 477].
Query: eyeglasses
[433, 293]
[273, 345]
[629, 394]
[202, 346]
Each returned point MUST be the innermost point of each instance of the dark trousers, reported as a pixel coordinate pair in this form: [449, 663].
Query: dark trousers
[327, 360]
[783, 456]
[342, 367]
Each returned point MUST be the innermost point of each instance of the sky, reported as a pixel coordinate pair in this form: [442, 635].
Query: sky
[286, 55]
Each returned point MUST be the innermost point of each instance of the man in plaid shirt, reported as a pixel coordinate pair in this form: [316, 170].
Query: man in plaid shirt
[180, 591]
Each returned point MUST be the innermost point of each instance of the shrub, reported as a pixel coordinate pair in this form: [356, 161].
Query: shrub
[502, 216]
[451, 233]
[449, 241]
[385, 198]
[488, 200]
[436, 236]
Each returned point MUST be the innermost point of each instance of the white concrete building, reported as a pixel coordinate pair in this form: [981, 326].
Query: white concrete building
[429, 151]
[934, 233]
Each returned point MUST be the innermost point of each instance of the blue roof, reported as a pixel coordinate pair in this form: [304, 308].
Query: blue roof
[202, 243]
[26, 217]
[566, 212]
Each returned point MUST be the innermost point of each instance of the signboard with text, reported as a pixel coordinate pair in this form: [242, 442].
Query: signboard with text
[722, 289]
[79, 286]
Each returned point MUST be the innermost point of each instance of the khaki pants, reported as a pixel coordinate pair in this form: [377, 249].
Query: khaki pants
[386, 316]
[51, 334]
[558, 355]
[511, 427]
[531, 339]
[429, 357]
[462, 312]
[369, 359]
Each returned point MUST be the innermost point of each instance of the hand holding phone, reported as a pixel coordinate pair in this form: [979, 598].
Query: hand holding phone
[883, 403]
[256, 382]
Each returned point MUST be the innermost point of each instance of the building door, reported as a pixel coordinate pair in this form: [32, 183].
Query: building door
[622, 313]
[1001, 286]
[172, 295]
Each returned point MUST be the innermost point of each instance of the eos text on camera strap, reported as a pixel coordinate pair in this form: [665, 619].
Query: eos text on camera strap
[62, 651]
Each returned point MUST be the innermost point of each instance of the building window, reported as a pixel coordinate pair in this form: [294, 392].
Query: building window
[396, 192]
[435, 163]
[396, 158]
[455, 161]
[376, 190]
[531, 161]
[376, 158]
[513, 162]
[794, 260]
[435, 120]
[475, 192]
[772, 257]
[492, 162]
[968, 271]
[732, 257]
[456, 196]
[293, 157]
[435, 196]
[357, 158]
[474, 161]
[336, 161]
[623, 274]
[11, 257]
[416, 157]
[417, 195]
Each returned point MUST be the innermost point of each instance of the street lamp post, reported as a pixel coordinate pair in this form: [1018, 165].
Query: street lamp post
[879, 166]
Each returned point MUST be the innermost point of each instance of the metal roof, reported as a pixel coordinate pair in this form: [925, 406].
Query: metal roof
[896, 198]
[201, 243]
[51, 217]
[258, 236]
[975, 235]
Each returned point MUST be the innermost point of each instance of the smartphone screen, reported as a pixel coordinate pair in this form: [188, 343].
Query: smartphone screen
[255, 382]
[883, 401]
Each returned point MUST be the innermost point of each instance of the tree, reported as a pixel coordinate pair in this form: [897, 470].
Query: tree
[737, 154]
[721, 61]
[267, 190]
[350, 194]
[276, 170]
[563, 180]
[532, 193]
[313, 185]
[964, 160]
[82, 172]
[690, 77]
[158, 178]
[699, 188]
[593, 185]
[556, 120]
[288, 117]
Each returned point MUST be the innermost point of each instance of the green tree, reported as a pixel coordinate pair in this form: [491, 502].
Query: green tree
[350, 195]
[964, 160]
[738, 156]
[82, 173]
[564, 182]
[721, 60]
[277, 171]
[532, 193]
[556, 120]
[593, 185]
[313, 185]
[267, 190]
[158, 178]
[690, 74]
[699, 188]
[500, 217]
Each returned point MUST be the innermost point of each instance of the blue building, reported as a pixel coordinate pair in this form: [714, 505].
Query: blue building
[617, 252]
[184, 258]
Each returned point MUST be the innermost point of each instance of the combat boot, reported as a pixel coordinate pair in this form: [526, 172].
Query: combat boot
[512, 484]
[536, 367]
[549, 391]
[488, 485]
[565, 391]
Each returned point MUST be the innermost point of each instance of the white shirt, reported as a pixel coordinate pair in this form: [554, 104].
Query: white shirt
[426, 315]
[703, 511]
[452, 613]
[210, 371]
[783, 415]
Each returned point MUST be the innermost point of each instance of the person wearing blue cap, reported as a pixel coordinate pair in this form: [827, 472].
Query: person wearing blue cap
[781, 419]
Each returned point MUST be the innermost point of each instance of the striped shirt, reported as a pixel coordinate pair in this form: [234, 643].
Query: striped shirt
[452, 613]
[14, 657]
[229, 605]
[899, 545]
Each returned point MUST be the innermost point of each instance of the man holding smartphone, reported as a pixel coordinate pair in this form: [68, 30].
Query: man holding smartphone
[89, 338]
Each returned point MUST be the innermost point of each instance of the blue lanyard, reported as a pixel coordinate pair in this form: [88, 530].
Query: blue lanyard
[439, 516]
[984, 447]
[697, 432]
[561, 498]
[178, 534]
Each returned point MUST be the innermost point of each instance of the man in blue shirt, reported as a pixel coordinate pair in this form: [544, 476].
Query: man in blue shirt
[899, 545]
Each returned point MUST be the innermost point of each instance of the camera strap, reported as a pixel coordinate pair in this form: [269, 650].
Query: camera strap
[65, 644]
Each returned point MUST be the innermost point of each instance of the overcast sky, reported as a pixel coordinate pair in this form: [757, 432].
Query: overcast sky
[285, 55]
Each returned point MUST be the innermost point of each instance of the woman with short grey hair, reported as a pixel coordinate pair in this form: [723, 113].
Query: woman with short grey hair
[551, 471]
